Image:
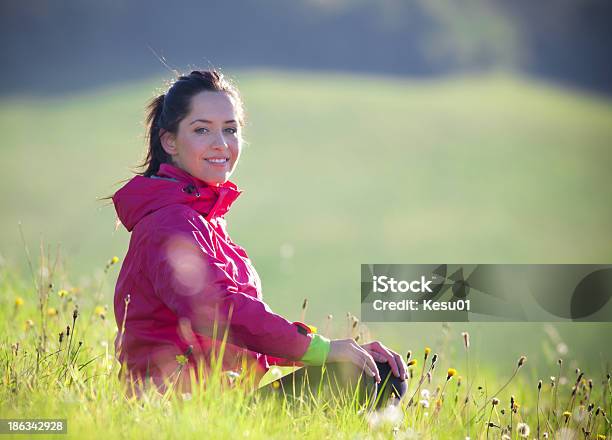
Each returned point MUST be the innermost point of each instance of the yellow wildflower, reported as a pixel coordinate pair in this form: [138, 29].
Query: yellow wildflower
[62, 293]
[114, 260]
[450, 373]
[18, 301]
[100, 311]
[52, 311]
[412, 362]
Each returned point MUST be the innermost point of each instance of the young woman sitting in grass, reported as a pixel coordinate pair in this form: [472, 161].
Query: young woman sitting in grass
[184, 283]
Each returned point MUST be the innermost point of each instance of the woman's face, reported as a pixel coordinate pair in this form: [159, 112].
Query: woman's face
[208, 141]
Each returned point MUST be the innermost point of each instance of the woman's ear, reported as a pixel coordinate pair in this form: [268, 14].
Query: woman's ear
[168, 141]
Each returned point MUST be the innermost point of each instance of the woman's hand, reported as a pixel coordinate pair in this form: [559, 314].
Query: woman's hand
[347, 350]
[380, 353]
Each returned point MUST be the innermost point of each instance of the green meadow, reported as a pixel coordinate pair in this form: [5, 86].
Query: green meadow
[337, 170]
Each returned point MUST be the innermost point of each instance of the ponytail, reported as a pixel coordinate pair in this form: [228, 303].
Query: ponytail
[156, 155]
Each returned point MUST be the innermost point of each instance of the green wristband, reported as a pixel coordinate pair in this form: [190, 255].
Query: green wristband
[317, 351]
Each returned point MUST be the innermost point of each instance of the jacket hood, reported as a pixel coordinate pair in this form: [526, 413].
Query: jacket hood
[142, 196]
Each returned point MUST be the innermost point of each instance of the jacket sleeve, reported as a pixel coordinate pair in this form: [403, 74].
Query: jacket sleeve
[316, 354]
[194, 283]
[317, 351]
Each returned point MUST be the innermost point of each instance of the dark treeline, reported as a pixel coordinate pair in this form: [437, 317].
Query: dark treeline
[50, 47]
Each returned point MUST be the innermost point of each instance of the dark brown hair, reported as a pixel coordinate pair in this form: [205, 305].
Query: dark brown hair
[168, 109]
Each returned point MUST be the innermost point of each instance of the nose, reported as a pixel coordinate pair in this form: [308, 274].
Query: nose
[219, 141]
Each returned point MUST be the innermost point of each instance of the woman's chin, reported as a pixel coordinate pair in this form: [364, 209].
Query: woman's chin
[213, 179]
[215, 182]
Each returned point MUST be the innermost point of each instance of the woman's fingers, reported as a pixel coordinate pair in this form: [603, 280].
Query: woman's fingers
[378, 357]
[362, 363]
[348, 350]
[365, 361]
[392, 362]
[388, 356]
[370, 363]
[403, 368]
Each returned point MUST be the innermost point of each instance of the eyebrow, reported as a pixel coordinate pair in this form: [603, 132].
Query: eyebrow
[206, 121]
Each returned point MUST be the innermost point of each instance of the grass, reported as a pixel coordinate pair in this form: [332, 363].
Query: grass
[472, 169]
[57, 362]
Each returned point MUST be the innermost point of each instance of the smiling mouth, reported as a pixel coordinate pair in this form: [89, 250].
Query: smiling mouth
[218, 162]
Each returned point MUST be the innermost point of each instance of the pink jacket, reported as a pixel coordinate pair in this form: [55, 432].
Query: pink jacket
[181, 270]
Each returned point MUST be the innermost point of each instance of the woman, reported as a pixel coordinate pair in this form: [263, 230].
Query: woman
[184, 283]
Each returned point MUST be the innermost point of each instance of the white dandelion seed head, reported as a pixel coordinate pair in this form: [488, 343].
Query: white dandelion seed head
[523, 430]
[392, 414]
[276, 373]
[562, 348]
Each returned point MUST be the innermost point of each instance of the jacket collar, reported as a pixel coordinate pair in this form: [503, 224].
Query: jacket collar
[215, 200]
[142, 196]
